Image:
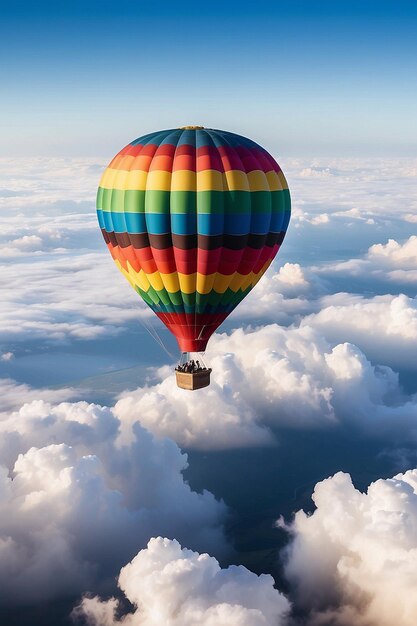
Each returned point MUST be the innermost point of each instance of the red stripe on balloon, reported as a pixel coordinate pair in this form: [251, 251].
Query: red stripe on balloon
[192, 331]
[186, 157]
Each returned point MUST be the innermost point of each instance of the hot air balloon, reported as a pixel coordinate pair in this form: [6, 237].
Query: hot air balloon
[193, 217]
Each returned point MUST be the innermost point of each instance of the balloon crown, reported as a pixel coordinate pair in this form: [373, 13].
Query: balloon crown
[191, 127]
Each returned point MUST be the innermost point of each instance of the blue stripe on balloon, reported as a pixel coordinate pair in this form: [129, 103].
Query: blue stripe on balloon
[260, 223]
[277, 222]
[121, 222]
[184, 223]
[101, 219]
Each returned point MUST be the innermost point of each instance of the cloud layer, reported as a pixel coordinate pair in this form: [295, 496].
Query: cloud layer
[75, 504]
[272, 377]
[83, 487]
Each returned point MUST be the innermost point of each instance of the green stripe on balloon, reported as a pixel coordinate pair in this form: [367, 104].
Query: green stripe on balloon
[218, 202]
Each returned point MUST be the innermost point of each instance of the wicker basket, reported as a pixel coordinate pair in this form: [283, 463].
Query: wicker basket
[192, 381]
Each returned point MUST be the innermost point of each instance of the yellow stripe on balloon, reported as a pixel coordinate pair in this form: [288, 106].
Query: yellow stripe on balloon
[221, 282]
[187, 282]
[139, 278]
[136, 179]
[125, 274]
[186, 180]
[236, 180]
[124, 179]
[210, 180]
[274, 181]
[158, 180]
[205, 283]
[237, 280]
[283, 180]
[258, 276]
[183, 180]
[190, 283]
[258, 181]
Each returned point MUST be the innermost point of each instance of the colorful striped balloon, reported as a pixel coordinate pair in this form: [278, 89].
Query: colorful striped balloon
[193, 217]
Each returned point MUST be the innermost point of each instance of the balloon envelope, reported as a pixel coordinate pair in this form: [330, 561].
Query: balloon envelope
[193, 217]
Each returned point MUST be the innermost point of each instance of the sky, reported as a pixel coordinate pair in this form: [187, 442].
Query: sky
[285, 494]
[318, 78]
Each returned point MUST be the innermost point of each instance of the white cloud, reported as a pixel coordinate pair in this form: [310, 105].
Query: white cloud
[350, 190]
[385, 327]
[316, 220]
[57, 271]
[7, 356]
[37, 184]
[75, 503]
[14, 394]
[269, 377]
[392, 262]
[354, 560]
[67, 297]
[59, 280]
[176, 587]
[396, 253]
[316, 172]
[283, 295]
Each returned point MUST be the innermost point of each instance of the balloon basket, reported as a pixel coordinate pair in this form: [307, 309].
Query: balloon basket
[193, 381]
[192, 373]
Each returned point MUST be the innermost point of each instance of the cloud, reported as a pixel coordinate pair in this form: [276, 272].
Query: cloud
[56, 268]
[54, 264]
[392, 262]
[385, 327]
[76, 503]
[349, 190]
[271, 377]
[283, 295]
[37, 184]
[14, 394]
[57, 271]
[395, 252]
[354, 560]
[70, 297]
[316, 172]
[84, 487]
[176, 587]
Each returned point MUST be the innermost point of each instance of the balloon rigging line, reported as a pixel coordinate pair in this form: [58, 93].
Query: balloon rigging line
[154, 334]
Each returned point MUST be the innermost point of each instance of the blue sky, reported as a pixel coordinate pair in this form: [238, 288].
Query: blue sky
[84, 78]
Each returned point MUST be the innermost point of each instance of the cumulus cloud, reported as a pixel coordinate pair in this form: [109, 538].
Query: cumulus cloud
[269, 377]
[395, 252]
[385, 327]
[177, 587]
[283, 295]
[75, 503]
[83, 486]
[393, 262]
[354, 560]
